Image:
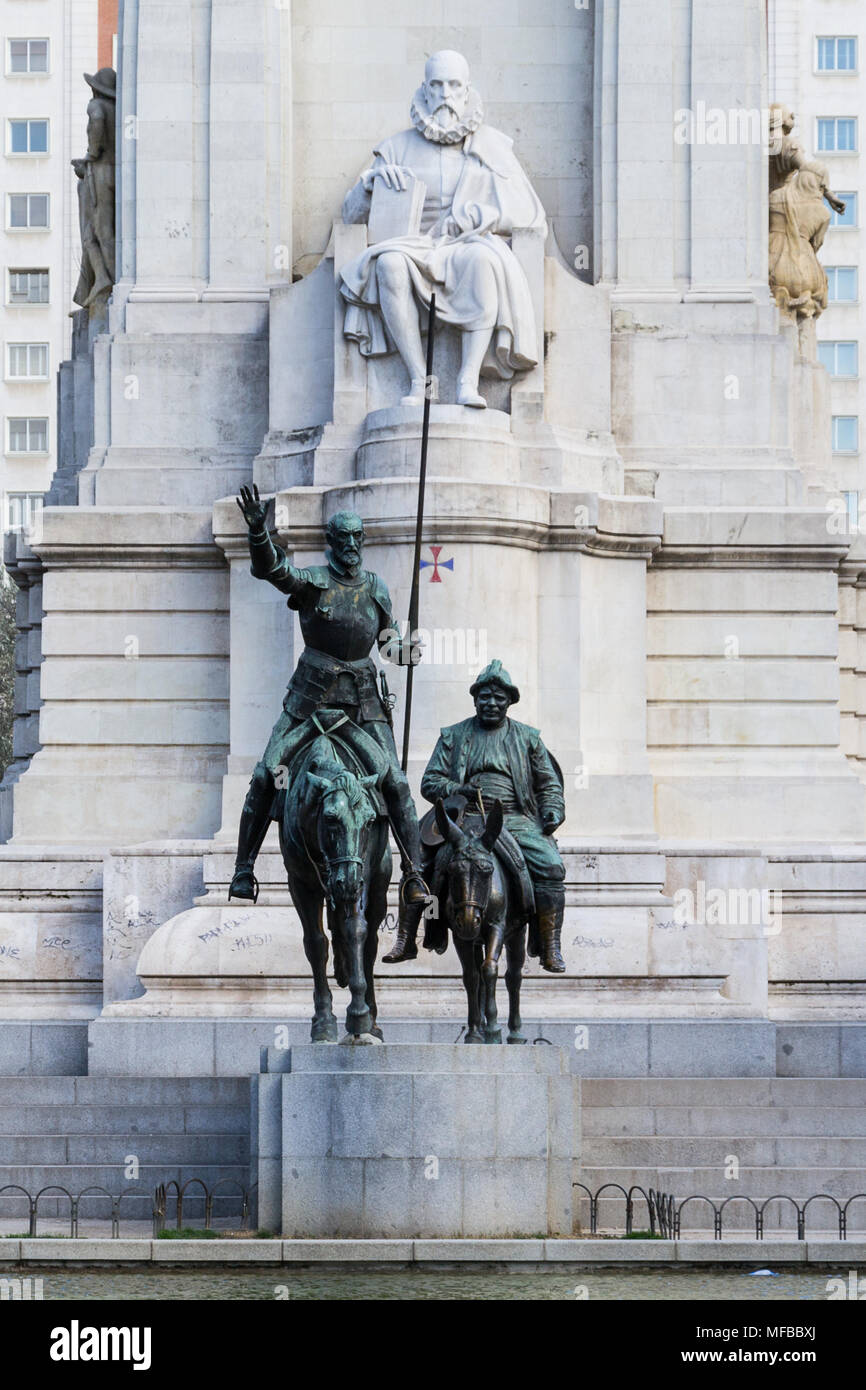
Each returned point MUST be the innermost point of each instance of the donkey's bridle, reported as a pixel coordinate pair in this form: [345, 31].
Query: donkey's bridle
[470, 901]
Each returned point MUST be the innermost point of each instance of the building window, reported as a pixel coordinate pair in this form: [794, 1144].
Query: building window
[845, 434]
[27, 434]
[27, 55]
[27, 137]
[842, 283]
[840, 359]
[837, 134]
[27, 211]
[852, 510]
[27, 361]
[848, 218]
[22, 509]
[837, 54]
[28, 286]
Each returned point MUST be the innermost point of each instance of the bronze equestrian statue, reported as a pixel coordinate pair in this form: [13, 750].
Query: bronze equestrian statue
[344, 612]
[478, 902]
[482, 760]
[334, 841]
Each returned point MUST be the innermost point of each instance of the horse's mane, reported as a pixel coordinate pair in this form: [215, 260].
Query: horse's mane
[323, 760]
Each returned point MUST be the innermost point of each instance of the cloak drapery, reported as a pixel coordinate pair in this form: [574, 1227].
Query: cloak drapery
[493, 196]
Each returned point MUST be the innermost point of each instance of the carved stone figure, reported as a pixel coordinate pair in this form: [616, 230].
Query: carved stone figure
[344, 611]
[490, 758]
[475, 194]
[798, 222]
[95, 172]
[799, 219]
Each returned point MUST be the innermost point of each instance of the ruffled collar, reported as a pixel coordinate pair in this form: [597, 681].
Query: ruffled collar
[422, 120]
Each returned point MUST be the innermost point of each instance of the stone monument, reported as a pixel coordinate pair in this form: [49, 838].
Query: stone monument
[640, 525]
[475, 195]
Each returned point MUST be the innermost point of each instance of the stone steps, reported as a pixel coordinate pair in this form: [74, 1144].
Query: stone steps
[797, 1136]
[78, 1132]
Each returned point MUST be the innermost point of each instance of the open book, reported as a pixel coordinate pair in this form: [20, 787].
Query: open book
[395, 213]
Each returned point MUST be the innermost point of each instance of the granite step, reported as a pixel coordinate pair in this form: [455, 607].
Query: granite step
[834, 1120]
[40, 1149]
[78, 1132]
[714, 1091]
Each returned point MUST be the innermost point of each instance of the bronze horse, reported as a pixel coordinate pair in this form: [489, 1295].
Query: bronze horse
[334, 842]
[480, 910]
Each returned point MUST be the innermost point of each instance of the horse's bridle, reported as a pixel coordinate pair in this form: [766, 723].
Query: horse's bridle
[470, 901]
[329, 864]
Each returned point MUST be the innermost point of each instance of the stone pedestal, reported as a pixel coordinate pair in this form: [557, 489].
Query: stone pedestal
[415, 1141]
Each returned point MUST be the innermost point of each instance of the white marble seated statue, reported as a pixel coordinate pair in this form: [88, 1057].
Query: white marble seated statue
[475, 195]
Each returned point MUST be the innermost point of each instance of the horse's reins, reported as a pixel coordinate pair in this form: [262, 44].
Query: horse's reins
[339, 859]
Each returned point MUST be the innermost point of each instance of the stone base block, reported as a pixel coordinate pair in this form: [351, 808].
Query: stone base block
[416, 1141]
[55, 1048]
[613, 1047]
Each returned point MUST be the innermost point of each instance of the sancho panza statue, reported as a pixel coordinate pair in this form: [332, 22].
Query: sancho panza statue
[497, 759]
[476, 194]
[344, 611]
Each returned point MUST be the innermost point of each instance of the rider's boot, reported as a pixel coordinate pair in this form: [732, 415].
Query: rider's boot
[550, 907]
[405, 946]
[404, 818]
[255, 819]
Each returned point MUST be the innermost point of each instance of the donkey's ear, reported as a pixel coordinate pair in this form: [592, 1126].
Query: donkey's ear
[320, 783]
[447, 829]
[492, 826]
[369, 781]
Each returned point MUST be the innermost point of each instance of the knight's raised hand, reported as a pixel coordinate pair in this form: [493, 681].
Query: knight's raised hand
[254, 509]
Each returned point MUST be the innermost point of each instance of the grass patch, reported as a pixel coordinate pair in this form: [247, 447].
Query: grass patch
[643, 1235]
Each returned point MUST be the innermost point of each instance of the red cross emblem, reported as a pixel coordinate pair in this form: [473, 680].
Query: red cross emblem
[436, 577]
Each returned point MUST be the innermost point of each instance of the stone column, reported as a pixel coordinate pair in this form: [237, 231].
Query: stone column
[728, 179]
[204, 231]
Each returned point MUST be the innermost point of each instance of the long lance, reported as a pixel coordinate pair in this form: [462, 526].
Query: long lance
[419, 523]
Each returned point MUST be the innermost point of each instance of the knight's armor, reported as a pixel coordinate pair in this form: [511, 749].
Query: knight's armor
[342, 617]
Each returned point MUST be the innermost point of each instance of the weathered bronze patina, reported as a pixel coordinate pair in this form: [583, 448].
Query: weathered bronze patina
[490, 758]
[344, 612]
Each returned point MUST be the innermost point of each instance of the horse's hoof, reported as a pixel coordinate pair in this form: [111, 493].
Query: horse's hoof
[361, 1040]
[516, 1038]
[324, 1030]
[493, 1035]
[377, 1032]
[474, 1037]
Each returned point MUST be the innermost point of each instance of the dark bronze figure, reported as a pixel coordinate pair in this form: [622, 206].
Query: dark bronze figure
[479, 904]
[491, 758]
[334, 840]
[344, 611]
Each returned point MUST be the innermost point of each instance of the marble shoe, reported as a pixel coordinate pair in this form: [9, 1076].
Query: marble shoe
[467, 394]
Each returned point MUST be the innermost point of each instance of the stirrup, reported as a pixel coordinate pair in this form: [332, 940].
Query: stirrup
[243, 896]
[412, 876]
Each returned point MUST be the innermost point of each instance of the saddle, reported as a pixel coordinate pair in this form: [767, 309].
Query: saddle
[361, 753]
